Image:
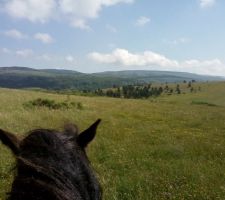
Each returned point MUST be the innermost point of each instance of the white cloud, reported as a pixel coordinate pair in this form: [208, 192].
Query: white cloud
[44, 37]
[79, 11]
[141, 21]
[69, 58]
[181, 40]
[210, 67]
[125, 58]
[152, 60]
[14, 33]
[81, 24]
[87, 8]
[25, 53]
[32, 10]
[45, 57]
[207, 3]
[111, 28]
[6, 50]
[75, 12]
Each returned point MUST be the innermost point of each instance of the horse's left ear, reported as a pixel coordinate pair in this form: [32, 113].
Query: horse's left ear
[10, 140]
[88, 135]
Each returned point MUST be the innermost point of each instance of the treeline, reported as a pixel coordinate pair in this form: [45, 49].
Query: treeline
[59, 82]
[138, 91]
[143, 91]
[131, 91]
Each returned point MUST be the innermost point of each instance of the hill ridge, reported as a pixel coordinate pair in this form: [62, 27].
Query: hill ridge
[26, 77]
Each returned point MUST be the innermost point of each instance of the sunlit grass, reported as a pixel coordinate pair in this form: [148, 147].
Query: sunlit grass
[163, 148]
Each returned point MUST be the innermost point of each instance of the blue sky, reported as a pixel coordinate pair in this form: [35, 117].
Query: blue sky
[108, 35]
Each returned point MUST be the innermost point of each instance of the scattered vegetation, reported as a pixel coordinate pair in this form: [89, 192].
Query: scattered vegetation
[160, 149]
[141, 91]
[51, 104]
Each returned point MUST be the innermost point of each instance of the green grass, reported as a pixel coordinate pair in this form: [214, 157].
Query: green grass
[161, 148]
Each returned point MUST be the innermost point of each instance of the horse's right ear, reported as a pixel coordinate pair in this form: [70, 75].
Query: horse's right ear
[10, 140]
[88, 135]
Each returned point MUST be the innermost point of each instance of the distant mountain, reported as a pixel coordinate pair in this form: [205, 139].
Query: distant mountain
[158, 76]
[23, 77]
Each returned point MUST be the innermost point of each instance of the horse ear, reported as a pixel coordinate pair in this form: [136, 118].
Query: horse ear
[10, 140]
[88, 135]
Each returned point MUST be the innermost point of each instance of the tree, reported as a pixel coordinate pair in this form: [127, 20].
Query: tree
[189, 84]
[166, 88]
[109, 93]
[178, 89]
[99, 92]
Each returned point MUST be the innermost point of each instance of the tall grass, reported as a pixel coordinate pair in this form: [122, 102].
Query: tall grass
[166, 148]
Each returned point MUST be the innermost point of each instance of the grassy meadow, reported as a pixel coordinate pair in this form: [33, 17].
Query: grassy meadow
[170, 147]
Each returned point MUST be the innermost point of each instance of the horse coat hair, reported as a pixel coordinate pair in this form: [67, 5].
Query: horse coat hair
[53, 165]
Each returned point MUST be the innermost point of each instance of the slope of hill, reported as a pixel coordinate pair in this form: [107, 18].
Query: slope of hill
[171, 147]
[22, 77]
[16, 77]
[158, 76]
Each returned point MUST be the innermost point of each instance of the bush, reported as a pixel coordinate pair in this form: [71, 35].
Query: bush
[51, 104]
[203, 103]
[80, 106]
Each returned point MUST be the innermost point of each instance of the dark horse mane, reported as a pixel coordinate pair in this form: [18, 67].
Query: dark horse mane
[53, 165]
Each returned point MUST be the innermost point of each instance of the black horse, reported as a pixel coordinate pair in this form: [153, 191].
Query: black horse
[53, 165]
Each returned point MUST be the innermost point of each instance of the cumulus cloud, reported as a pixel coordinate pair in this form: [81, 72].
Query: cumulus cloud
[44, 38]
[14, 33]
[111, 28]
[141, 21]
[69, 58]
[5, 50]
[25, 53]
[80, 23]
[207, 3]
[79, 11]
[32, 10]
[124, 57]
[76, 12]
[87, 8]
[157, 61]
[210, 67]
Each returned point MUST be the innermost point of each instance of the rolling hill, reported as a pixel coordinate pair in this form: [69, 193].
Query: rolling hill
[23, 77]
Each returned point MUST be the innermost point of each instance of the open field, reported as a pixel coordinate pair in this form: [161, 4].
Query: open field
[170, 147]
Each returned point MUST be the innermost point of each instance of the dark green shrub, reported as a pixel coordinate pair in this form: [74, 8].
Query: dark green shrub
[203, 103]
[51, 104]
[80, 106]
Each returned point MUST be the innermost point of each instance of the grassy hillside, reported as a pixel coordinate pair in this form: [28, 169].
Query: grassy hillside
[171, 147]
[22, 77]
